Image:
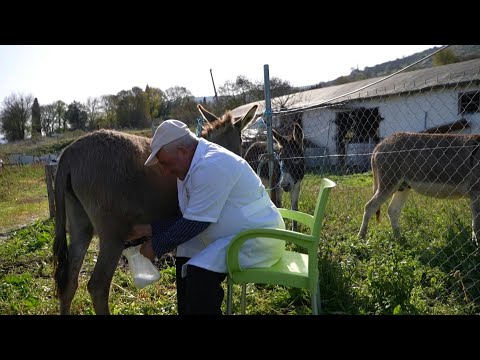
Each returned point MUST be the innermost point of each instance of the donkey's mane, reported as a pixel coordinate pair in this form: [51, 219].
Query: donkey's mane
[214, 126]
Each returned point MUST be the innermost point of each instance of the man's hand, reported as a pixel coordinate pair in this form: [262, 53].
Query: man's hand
[147, 250]
[140, 230]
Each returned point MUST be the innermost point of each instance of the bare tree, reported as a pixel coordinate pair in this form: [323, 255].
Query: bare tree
[242, 91]
[177, 94]
[237, 93]
[284, 95]
[15, 116]
[108, 118]
[180, 104]
[92, 107]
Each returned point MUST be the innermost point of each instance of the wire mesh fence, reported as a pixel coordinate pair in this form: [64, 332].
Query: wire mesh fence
[434, 234]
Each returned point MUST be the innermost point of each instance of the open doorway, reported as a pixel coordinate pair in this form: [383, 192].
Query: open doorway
[356, 129]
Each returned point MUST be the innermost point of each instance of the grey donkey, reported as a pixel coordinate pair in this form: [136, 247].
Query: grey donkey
[103, 187]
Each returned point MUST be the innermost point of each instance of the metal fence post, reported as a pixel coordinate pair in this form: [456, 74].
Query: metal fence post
[268, 116]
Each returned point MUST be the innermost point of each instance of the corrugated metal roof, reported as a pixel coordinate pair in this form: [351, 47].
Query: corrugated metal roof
[446, 75]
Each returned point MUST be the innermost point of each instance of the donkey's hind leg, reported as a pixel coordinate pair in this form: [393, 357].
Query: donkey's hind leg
[81, 233]
[112, 239]
[395, 208]
[380, 196]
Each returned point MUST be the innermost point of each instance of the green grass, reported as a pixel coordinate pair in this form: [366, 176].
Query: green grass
[431, 269]
[27, 286]
[23, 196]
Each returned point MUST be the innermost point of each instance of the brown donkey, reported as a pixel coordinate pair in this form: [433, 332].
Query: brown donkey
[102, 186]
[438, 165]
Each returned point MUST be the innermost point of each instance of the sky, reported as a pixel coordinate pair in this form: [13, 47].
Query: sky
[76, 72]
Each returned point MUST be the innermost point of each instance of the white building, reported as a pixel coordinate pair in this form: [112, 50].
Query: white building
[344, 122]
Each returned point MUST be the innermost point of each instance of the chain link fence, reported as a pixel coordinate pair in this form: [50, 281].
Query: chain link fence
[433, 261]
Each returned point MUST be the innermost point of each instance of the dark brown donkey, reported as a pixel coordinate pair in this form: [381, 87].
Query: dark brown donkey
[289, 167]
[102, 186]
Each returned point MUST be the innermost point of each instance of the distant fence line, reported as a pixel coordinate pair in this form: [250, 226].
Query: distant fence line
[22, 159]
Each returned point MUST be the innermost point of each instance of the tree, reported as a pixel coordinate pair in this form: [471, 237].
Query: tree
[444, 57]
[124, 107]
[60, 110]
[156, 99]
[243, 91]
[47, 118]
[236, 93]
[108, 117]
[76, 116]
[92, 107]
[187, 112]
[36, 124]
[15, 115]
[180, 105]
[141, 113]
[178, 94]
[284, 95]
[342, 80]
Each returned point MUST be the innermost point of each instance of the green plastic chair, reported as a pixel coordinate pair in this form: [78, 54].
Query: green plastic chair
[293, 268]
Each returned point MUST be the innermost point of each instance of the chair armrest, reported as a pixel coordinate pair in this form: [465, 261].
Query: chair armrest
[298, 216]
[277, 234]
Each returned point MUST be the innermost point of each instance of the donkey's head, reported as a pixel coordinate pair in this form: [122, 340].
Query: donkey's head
[224, 131]
[292, 159]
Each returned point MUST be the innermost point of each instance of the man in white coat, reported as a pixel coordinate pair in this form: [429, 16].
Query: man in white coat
[219, 195]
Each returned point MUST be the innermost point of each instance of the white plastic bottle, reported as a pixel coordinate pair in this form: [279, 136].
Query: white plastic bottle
[143, 271]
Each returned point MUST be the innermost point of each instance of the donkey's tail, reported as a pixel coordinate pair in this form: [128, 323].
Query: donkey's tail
[60, 248]
[375, 183]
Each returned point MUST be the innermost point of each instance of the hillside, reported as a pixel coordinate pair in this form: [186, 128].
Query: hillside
[462, 53]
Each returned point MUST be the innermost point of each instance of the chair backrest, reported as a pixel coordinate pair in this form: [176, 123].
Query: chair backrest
[309, 242]
[325, 187]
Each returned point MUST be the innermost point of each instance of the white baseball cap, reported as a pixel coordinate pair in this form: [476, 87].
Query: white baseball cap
[166, 132]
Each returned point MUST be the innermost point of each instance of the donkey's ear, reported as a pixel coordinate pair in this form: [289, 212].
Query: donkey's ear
[207, 116]
[297, 133]
[247, 119]
[282, 140]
